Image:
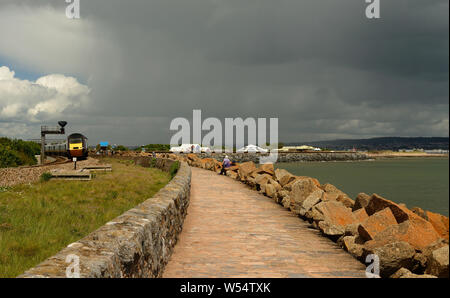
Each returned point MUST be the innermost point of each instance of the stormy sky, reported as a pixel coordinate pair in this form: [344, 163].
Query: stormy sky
[125, 69]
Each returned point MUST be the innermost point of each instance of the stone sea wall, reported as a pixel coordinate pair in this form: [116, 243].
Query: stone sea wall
[290, 157]
[137, 243]
[408, 242]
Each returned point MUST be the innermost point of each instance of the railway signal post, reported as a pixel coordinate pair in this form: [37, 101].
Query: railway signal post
[47, 130]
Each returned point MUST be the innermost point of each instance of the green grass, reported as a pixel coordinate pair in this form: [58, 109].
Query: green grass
[38, 220]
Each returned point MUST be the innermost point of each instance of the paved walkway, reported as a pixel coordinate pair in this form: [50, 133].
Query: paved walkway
[233, 231]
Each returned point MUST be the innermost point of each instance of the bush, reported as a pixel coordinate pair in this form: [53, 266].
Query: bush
[46, 177]
[15, 153]
[121, 148]
[155, 147]
[8, 158]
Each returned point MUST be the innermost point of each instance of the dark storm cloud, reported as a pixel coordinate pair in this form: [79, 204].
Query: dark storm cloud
[320, 66]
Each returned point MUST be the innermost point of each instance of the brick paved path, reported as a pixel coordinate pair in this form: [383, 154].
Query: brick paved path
[233, 231]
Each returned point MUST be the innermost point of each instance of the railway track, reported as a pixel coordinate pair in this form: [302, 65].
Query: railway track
[58, 160]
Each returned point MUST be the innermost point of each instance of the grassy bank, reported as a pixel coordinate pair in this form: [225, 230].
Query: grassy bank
[38, 220]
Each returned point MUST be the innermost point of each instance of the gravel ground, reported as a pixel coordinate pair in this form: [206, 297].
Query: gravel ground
[14, 176]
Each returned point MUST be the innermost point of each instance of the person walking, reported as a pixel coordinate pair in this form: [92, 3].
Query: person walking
[226, 163]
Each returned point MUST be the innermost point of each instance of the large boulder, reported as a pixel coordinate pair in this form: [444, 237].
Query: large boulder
[438, 262]
[346, 201]
[376, 223]
[405, 273]
[270, 190]
[269, 187]
[420, 212]
[245, 169]
[362, 200]
[314, 216]
[349, 243]
[262, 179]
[281, 195]
[352, 230]
[232, 174]
[251, 181]
[283, 177]
[288, 186]
[286, 202]
[267, 168]
[207, 163]
[360, 215]
[333, 193]
[418, 233]
[392, 256]
[301, 190]
[439, 222]
[332, 190]
[276, 184]
[192, 157]
[378, 203]
[335, 217]
[310, 201]
[217, 166]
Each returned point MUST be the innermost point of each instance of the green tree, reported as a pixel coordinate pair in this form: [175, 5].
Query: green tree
[8, 157]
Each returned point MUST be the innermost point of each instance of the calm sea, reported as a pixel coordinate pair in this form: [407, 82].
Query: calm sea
[422, 182]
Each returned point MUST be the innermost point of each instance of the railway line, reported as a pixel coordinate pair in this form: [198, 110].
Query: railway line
[58, 160]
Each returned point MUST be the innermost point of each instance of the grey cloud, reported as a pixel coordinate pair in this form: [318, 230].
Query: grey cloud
[320, 66]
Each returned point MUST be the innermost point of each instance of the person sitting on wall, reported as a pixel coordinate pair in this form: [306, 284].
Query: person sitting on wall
[226, 163]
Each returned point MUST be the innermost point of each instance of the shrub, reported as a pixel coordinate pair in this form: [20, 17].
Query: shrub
[153, 163]
[155, 147]
[121, 148]
[46, 177]
[8, 157]
[15, 153]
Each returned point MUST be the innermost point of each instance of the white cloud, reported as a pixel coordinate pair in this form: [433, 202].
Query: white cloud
[46, 99]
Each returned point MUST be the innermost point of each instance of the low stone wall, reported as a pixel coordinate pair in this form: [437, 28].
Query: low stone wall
[138, 243]
[290, 157]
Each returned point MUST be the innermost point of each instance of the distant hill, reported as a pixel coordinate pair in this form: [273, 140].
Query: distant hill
[384, 143]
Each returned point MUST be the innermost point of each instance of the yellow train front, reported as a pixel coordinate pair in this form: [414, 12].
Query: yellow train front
[77, 146]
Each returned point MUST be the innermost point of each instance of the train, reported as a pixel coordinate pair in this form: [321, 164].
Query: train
[76, 145]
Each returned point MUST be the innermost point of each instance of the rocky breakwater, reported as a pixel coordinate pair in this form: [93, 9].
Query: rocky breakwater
[408, 243]
[290, 157]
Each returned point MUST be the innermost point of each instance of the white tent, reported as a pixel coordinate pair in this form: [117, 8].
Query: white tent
[187, 148]
[205, 150]
[252, 149]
